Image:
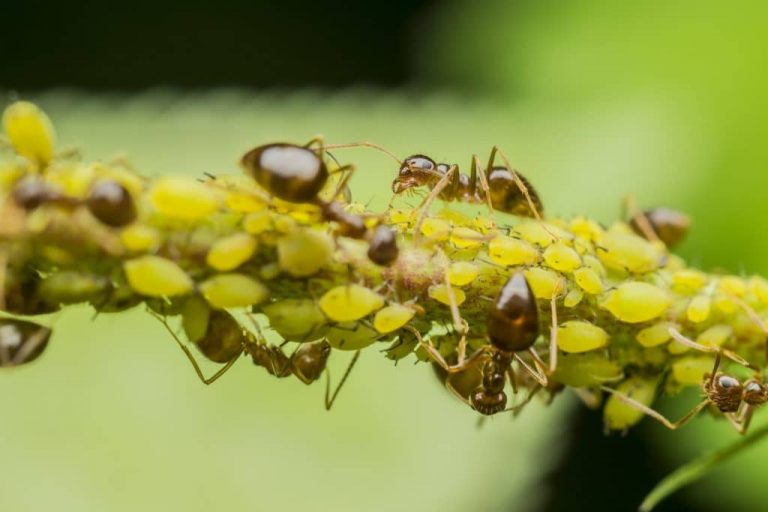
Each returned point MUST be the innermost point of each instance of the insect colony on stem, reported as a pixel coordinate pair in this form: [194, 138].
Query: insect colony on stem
[501, 302]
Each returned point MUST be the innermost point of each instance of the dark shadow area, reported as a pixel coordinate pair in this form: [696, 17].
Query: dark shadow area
[127, 46]
[607, 473]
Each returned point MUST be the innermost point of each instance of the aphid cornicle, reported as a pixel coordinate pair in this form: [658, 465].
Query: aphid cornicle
[21, 341]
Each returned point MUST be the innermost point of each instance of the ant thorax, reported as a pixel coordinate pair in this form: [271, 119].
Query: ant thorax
[727, 393]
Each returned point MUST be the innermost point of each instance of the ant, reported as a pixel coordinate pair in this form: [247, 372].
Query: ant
[512, 328]
[297, 174]
[225, 340]
[501, 188]
[736, 400]
[21, 342]
[664, 224]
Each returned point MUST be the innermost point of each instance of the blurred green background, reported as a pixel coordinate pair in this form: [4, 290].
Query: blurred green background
[592, 99]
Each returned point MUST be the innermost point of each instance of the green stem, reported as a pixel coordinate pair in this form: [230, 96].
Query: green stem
[697, 468]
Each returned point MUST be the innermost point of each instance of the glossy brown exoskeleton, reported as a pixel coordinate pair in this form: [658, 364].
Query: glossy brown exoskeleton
[21, 341]
[669, 226]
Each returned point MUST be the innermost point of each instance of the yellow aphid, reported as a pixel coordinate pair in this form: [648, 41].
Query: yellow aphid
[635, 302]
[440, 293]
[689, 371]
[233, 291]
[351, 336]
[184, 199]
[619, 415]
[539, 233]
[10, 173]
[588, 280]
[456, 218]
[561, 257]
[304, 252]
[462, 273]
[257, 222]
[759, 288]
[655, 335]
[350, 302]
[484, 224]
[578, 336]
[594, 264]
[30, 131]
[392, 318]
[543, 282]
[296, 319]
[285, 224]
[573, 298]
[725, 304]
[436, 229]
[715, 336]
[269, 271]
[195, 316]
[231, 252]
[244, 202]
[587, 370]
[688, 280]
[619, 251]
[400, 216]
[463, 238]
[731, 285]
[505, 250]
[140, 238]
[586, 229]
[699, 308]
[57, 255]
[72, 179]
[583, 246]
[156, 277]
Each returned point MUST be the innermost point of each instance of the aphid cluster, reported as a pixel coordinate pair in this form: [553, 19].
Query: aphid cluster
[507, 306]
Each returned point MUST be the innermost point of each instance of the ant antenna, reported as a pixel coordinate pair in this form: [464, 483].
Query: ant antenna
[365, 144]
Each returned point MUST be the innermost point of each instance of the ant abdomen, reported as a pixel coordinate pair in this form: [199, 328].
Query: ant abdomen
[506, 195]
[513, 321]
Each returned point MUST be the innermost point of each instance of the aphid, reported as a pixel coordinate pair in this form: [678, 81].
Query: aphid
[225, 340]
[21, 341]
[512, 328]
[297, 174]
[736, 400]
[669, 226]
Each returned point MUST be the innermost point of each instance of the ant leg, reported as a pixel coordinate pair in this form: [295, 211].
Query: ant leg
[631, 213]
[478, 174]
[439, 359]
[518, 181]
[512, 379]
[319, 140]
[712, 350]
[655, 414]
[205, 380]
[329, 402]
[424, 208]
[537, 373]
[518, 408]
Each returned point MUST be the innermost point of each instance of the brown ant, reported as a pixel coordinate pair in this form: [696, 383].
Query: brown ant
[512, 328]
[736, 400]
[225, 340]
[21, 341]
[664, 224]
[297, 174]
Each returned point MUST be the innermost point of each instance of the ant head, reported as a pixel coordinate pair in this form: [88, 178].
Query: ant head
[415, 171]
[726, 392]
[754, 392]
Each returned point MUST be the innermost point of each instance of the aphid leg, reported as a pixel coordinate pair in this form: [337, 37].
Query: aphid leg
[478, 174]
[424, 207]
[439, 359]
[205, 380]
[329, 399]
[712, 350]
[630, 212]
[523, 188]
[655, 414]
